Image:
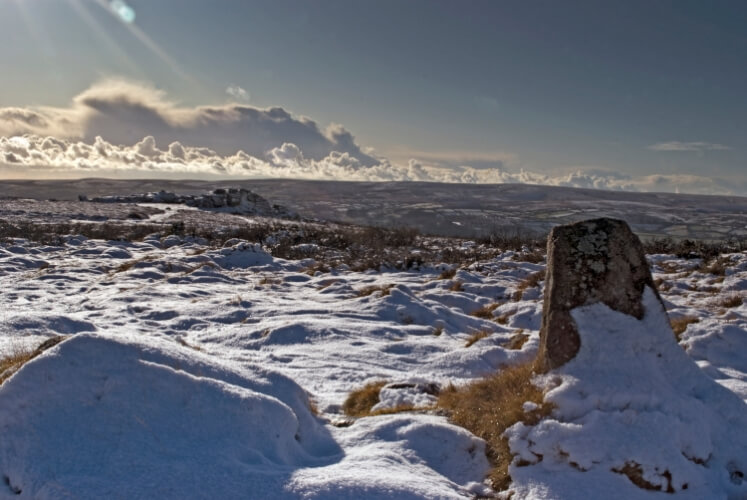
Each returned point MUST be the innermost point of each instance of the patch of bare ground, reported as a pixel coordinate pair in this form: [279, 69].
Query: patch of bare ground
[634, 472]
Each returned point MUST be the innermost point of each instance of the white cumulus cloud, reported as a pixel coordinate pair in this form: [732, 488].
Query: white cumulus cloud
[125, 129]
[123, 112]
[38, 156]
[237, 93]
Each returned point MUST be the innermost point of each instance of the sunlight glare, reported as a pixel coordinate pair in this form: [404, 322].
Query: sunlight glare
[122, 11]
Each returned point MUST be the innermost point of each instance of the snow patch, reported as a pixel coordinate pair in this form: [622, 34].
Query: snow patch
[632, 396]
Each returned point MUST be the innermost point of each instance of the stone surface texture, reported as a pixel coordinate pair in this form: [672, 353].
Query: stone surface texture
[598, 260]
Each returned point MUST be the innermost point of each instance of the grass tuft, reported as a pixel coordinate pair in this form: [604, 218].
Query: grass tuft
[360, 401]
[447, 274]
[17, 355]
[732, 300]
[477, 336]
[485, 312]
[533, 256]
[268, 280]
[679, 325]
[530, 281]
[517, 341]
[397, 409]
[489, 406]
[716, 266]
[368, 290]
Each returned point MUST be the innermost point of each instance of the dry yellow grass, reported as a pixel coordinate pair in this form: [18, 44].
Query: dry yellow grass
[396, 409]
[360, 401]
[18, 354]
[732, 300]
[368, 290]
[679, 325]
[535, 256]
[447, 275]
[716, 266]
[268, 280]
[669, 267]
[327, 283]
[477, 336]
[183, 342]
[11, 361]
[485, 312]
[662, 285]
[530, 281]
[126, 266]
[503, 318]
[457, 286]
[319, 267]
[517, 341]
[489, 406]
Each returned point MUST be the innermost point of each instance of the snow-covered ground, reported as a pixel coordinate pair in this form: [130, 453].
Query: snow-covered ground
[201, 372]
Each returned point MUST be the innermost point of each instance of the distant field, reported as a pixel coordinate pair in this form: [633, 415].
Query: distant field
[464, 210]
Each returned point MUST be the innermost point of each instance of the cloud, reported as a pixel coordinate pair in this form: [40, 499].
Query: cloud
[48, 157]
[118, 128]
[123, 112]
[237, 93]
[698, 147]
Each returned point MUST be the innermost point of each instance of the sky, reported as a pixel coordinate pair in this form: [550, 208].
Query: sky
[637, 95]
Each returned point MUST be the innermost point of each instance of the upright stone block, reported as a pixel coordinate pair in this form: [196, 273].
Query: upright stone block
[598, 260]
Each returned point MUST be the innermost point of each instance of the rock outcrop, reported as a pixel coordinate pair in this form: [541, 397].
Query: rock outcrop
[598, 260]
[234, 200]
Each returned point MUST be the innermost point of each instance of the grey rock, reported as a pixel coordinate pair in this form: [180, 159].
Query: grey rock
[592, 261]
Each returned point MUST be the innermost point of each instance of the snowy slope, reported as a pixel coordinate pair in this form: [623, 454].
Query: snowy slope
[632, 397]
[186, 362]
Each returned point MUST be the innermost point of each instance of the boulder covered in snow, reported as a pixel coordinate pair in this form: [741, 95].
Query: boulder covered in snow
[593, 261]
[232, 200]
[633, 416]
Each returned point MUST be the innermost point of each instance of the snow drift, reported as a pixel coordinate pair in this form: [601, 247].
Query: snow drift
[631, 403]
[100, 417]
[103, 417]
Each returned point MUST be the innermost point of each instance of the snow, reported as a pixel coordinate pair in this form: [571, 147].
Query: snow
[134, 419]
[632, 396]
[189, 371]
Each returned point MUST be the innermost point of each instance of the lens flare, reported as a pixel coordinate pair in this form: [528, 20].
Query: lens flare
[122, 11]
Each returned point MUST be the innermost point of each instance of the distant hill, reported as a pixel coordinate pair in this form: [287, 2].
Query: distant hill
[448, 209]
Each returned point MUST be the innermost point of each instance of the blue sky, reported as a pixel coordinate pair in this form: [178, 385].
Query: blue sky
[612, 88]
